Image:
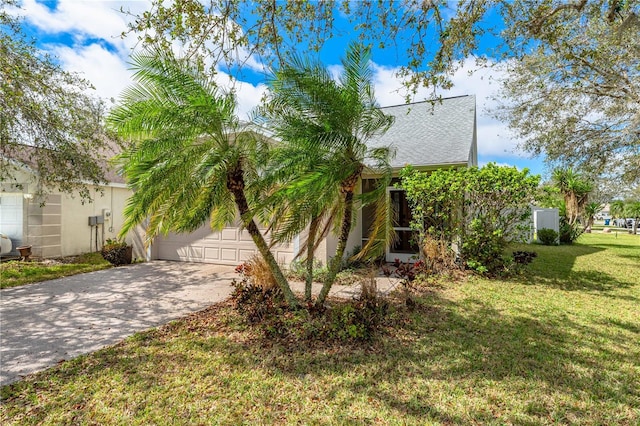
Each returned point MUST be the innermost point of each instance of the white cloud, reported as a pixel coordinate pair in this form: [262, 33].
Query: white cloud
[248, 95]
[96, 25]
[335, 71]
[99, 54]
[84, 19]
[388, 86]
[96, 50]
[494, 137]
[106, 70]
[499, 164]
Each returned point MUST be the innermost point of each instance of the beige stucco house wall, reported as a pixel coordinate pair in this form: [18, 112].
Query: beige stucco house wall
[58, 225]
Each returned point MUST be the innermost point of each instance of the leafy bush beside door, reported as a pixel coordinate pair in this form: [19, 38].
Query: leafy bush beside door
[478, 210]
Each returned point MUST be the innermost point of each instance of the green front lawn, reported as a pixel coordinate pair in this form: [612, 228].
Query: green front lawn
[16, 273]
[561, 346]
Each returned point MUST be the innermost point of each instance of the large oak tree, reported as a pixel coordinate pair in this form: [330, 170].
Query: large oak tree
[574, 96]
[48, 118]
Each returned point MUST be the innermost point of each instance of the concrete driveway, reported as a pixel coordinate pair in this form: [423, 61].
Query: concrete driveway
[44, 323]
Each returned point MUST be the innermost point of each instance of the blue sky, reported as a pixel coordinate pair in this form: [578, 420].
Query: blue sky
[84, 36]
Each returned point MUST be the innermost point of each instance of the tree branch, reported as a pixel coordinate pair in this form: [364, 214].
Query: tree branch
[536, 24]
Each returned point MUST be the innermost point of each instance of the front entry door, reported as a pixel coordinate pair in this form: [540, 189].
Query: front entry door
[403, 247]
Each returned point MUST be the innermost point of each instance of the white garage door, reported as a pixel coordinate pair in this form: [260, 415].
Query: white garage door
[229, 247]
[11, 217]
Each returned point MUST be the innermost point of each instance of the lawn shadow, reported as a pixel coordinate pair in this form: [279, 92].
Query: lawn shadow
[441, 348]
[618, 246]
[554, 267]
[471, 342]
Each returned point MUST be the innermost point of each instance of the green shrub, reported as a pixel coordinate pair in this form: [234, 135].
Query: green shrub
[116, 252]
[547, 236]
[359, 319]
[524, 257]
[484, 251]
[569, 233]
[479, 210]
[298, 271]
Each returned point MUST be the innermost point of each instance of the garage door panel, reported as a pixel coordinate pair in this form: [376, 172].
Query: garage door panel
[200, 233]
[244, 236]
[191, 252]
[229, 234]
[284, 257]
[229, 254]
[11, 217]
[245, 254]
[172, 251]
[211, 254]
[230, 247]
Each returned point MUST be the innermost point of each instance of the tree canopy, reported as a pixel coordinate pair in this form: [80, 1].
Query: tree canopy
[48, 119]
[573, 75]
[575, 95]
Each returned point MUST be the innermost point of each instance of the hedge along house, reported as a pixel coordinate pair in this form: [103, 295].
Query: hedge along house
[425, 135]
[62, 224]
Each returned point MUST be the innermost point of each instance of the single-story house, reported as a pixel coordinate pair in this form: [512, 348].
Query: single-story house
[59, 225]
[426, 135]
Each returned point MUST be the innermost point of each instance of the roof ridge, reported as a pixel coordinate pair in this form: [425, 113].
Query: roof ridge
[430, 101]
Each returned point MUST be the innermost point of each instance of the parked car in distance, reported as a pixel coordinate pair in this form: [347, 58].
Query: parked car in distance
[5, 244]
[620, 223]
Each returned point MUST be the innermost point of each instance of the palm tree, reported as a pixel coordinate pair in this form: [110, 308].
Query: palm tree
[590, 211]
[632, 209]
[190, 161]
[325, 125]
[616, 208]
[575, 189]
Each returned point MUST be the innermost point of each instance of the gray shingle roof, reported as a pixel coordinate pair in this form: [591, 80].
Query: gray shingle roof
[432, 133]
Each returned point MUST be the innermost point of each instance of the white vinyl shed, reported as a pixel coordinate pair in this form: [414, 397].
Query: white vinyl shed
[545, 218]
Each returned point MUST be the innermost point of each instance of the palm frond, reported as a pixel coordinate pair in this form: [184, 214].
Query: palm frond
[185, 138]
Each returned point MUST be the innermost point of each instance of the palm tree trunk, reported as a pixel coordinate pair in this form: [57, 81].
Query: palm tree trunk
[334, 265]
[572, 208]
[235, 184]
[587, 228]
[311, 242]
